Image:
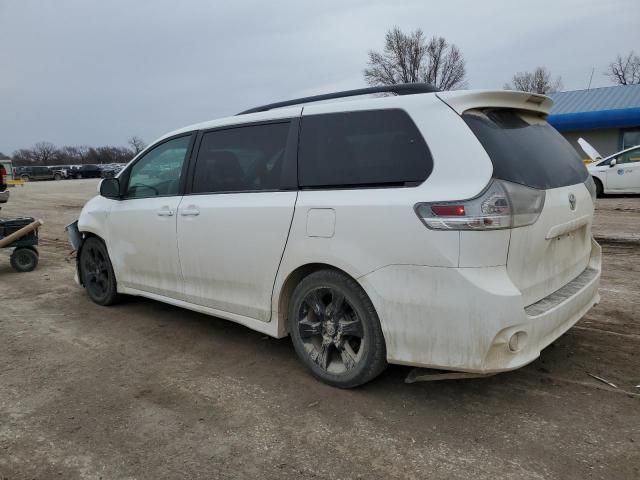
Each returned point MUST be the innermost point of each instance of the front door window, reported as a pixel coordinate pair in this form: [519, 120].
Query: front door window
[158, 173]
[631, 156]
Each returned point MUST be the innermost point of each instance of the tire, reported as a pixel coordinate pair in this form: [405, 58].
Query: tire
[25, 178]
[24, 259]
[599, 188]
[57, 176]
[96, 272]
[335, 330]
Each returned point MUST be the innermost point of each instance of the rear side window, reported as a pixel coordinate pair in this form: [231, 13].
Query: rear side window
[360, 149]
[525, 149]
[241, 159]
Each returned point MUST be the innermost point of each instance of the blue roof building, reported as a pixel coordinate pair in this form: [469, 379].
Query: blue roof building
[608, 118]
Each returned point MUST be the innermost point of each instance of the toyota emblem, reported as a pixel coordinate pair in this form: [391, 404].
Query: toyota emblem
[572, 201]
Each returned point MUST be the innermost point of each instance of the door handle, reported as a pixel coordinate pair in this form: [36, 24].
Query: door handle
[190, 211]
[165, 212]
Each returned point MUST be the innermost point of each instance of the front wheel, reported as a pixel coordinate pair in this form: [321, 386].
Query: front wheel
[335, 330]
[96, 272]
[57, 176]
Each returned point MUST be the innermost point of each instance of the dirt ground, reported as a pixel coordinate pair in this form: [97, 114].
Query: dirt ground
[144, 390]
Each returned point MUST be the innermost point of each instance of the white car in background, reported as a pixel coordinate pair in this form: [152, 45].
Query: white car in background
[617, 173]
[449, 230]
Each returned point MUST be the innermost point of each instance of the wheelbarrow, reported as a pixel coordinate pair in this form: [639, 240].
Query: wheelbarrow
[21, 234]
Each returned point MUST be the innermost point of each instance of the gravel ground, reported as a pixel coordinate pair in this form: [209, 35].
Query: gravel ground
[144, 390]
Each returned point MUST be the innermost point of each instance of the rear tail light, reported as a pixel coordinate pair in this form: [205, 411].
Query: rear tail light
[3, 174]
[501, 205]
[448, 210]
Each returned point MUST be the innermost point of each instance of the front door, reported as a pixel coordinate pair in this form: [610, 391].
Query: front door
[624, 176]
[233, 227]
[142, 226]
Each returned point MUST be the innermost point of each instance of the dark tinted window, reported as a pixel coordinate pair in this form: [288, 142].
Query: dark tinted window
[369, 148]
[241, 159]
[526, 150]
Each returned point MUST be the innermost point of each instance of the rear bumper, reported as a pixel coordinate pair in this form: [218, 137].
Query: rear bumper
[464, 318]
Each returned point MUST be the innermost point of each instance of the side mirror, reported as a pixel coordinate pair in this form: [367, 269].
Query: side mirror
[613, 163]
[110, 188]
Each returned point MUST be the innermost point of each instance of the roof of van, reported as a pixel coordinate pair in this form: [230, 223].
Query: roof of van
[459, 100]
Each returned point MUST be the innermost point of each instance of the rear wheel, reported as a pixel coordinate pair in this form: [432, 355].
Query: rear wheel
[335, 330]
[96, 272]
[25, 178]
[599, 188]
[57, 176]
[24, 259]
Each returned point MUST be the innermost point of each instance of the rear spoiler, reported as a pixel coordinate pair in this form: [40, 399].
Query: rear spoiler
[461, 101]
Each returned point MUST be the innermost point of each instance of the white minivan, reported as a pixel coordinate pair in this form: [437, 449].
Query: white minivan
[449, 230]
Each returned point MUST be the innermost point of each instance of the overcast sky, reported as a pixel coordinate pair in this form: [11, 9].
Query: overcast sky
[96, 72]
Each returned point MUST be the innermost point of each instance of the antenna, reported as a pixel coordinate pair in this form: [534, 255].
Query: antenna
[591, 78]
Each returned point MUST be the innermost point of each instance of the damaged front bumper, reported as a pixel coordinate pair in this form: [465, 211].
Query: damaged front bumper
[75, 239]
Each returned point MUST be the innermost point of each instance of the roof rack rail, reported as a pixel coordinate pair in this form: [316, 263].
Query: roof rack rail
[399, 89]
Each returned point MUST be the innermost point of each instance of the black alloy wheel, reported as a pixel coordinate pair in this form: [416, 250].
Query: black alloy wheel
[330, 330]
[335, 329]
[97, 273]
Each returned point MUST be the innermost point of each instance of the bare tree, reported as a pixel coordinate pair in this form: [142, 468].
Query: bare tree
[109, 154]
[44, 153]
[136, 144]
[625, 70]
[446, 68]
[410, 58]
[24, 156]
[74, 155]
[538, 81]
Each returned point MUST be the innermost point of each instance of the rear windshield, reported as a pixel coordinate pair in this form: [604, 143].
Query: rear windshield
[362, 149]
[525, 150]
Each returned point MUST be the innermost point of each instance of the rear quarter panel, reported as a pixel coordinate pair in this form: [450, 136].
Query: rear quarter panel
[376, 227]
